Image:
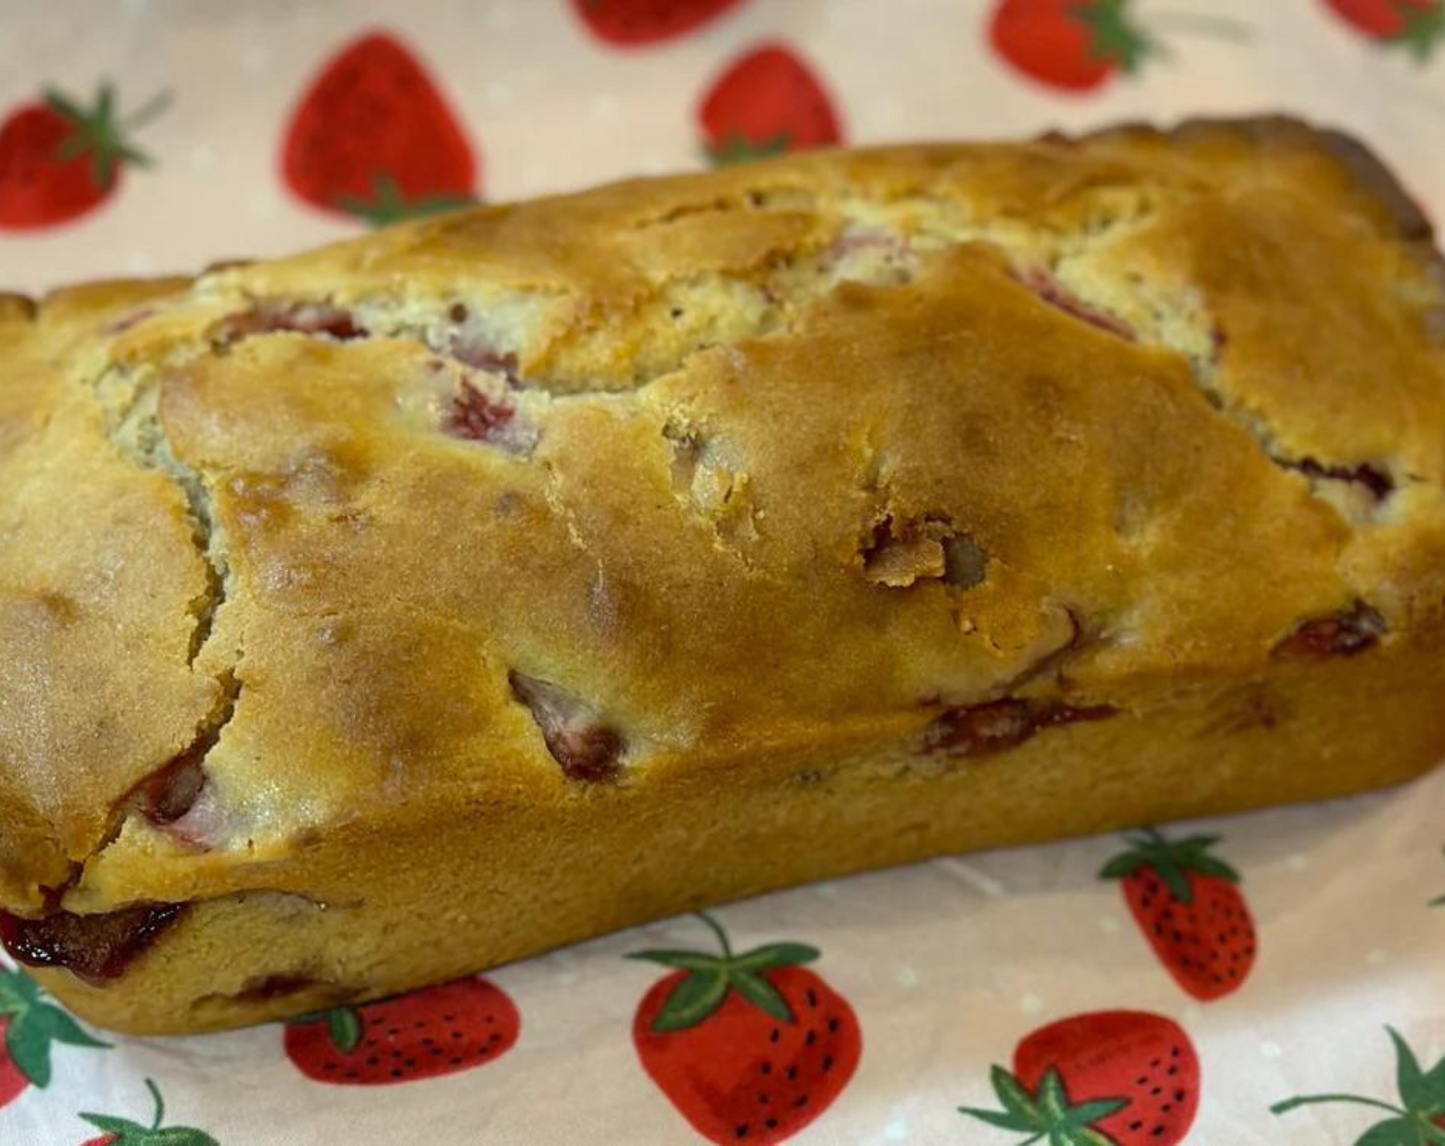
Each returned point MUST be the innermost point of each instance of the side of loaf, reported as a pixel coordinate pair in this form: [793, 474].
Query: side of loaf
[497, 580]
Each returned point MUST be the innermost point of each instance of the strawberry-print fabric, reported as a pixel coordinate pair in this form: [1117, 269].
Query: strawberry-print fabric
[1268, 979]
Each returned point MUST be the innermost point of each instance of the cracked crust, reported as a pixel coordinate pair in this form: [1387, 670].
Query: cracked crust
[425, 584]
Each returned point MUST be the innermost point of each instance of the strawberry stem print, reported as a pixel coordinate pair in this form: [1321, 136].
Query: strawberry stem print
[1189, 906]
[1076, 45]
[387, 204]
[766, 102]
[1419, 1117]
[1417, 26]
[637, 23]
[434, 1031]
[748, 1047]
[1046, 1114]
[60, 159]
[1107, 1078]
[124, 1132]
[1438, 901]
[31, 1028]
[373, 137]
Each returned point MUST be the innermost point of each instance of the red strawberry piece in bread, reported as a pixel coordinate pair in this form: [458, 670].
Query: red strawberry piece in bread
[434, 1031]
[29, 1028]
[60, 160]
[637, 23]
[1418, 1116]
[766, 102]
[1107, 1078]
[124, 1132]
[373, 137]
[748, 1047]
[1190, 908]
[1418, 26]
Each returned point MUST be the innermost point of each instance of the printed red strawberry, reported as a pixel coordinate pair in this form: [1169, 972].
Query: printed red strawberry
[1418, 1120]
[1076, 45]
[60, 160]
[765, 103]
[30, 1027]
[373, 137]
[1126, 1078]
[748, 1047]
[1418, 26]
[1189, 906]
[437, 1030]
[124, 1132]
[634, 23]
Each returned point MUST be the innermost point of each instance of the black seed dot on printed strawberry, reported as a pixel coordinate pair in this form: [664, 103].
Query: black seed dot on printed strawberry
[1348, 633]
[1048, 288]
[377, 1044]
[96, 948]
[983, 729]
[316, 319]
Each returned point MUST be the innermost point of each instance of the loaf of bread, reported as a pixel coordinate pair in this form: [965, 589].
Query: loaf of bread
[376, 616]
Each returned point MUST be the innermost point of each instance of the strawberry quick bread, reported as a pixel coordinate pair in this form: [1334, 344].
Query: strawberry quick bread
[490, 582]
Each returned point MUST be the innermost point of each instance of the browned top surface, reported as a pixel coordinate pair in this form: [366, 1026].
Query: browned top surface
[771, 408]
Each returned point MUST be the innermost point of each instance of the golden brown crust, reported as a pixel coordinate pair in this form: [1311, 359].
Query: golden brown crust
[571, 525]
[16, 307]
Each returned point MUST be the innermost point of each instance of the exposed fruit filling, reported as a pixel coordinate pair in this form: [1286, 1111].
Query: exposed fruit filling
[982, 729]
[1347, 633]
[1050, 290]
[97, 948]
[317, 319]
[588, 749]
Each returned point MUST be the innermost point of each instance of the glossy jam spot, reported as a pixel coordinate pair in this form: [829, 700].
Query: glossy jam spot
[1346, 634]
[168, 794]
[97, 948]
[982, 729]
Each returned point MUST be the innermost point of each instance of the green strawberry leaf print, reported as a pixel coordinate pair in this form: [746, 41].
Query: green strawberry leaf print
[1418, 1119]
[125, 1132]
